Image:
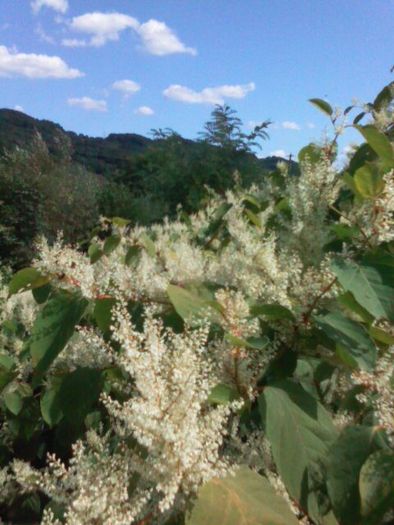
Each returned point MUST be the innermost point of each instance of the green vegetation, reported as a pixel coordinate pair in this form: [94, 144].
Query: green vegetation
[231, 366]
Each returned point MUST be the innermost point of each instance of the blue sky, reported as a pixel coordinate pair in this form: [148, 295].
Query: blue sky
[102, 66]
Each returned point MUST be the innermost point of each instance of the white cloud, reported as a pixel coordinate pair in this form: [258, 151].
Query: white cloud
[73, 42]
[160, 40]
[144, 110]
[90, 104]
[214, 95]
[31, 65]
[156, 37]
[43, 35]
[58, 5]
[127, 87]
[279, 153]
[18, 108]
[290, 125]
[310, 125]
[103, 27]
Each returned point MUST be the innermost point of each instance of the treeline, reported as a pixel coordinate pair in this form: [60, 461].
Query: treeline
[42, 193]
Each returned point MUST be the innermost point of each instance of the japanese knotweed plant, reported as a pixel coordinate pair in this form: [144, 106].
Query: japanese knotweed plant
[234, 366]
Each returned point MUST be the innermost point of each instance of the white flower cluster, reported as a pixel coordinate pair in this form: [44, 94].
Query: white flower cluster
[167, 412]
[378, 389]
[375, 217]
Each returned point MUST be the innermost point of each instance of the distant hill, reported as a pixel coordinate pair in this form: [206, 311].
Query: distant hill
[99, 155]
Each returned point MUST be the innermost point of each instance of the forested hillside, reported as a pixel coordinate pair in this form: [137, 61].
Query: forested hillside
[53, 180]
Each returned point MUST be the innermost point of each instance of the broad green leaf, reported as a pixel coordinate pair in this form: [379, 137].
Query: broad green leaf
[95, 252]
[384, 98]
[42, 293]
[300, 432]
[376, 486]
[6, 362]
[51, 410]
[103, 313]
[222, 394]
[255, 219]
[148, 244]
[119, 221]
[26, 279]
[349, 302]
[78, 392]
[258, 343]
[245, 498]
[381, 336]
[132, 255]
[311, 153]
[53, 328]
[362, 155]
[190, 306]
[272, 312]
[343, 464]
[359, 117]
[378, 142]
[13, 399]
[368, 182]
[110, 244]
[322, 105]
[351, 337]
[367, 285]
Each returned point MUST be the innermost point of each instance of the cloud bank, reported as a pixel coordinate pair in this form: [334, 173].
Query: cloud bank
[61, 6]
[88, 104]
[156, 37]
[31, 65]
[209, 95]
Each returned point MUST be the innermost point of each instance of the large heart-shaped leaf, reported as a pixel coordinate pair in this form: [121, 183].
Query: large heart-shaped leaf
[300, 432]
[245, 498]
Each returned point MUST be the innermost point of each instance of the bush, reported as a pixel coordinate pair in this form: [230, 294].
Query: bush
[231, 366]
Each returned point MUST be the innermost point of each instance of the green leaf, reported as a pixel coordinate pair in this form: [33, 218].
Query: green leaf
[384, 98]
[49, 403]
[356, 347]
[380, 335]
[148, 244]
[190, 306]
[300, 432]
[103, 313]
[222, 394]
[6, 362]
[322, 105]
[78, 392]
[120, 222]
[349, 302]
[13, 399]
[26, 279]
[363, 154]
[378, 142]
[376, 486]
[245, 498]
[254, 219]
[367, 285]
[53, 328]
[343, 464]
[359, 117]
[42, 293]
[95, 252]
[133, 255]
[311, 153]
[272, 312]
[368, 182]
[111, 243]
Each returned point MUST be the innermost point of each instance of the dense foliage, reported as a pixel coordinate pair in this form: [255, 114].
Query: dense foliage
[52, 183]
[231, 366]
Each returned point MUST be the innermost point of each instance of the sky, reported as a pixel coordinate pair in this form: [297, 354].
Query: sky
[128, 66]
